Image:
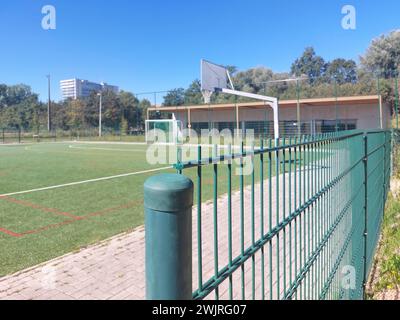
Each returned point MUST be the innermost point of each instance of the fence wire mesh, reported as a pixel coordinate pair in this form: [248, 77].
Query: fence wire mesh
[303, 223]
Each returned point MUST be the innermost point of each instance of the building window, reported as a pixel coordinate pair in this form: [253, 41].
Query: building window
[342, 125]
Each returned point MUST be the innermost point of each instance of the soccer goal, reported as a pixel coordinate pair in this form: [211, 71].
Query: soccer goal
[164, 131]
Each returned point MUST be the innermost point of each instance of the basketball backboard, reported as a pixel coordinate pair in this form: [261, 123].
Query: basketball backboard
[213, 76]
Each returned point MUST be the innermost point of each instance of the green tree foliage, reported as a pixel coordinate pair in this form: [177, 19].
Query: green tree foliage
[309, 64]
[124, 126]
[253, 80]
[342, 70]
[142, 112]
[112, 110]
[193, 94]
[60, 118]
[76, 114]
[91, 110]
[383, 55]
[18, 105]
[130, 109]
[175, 97]
[20, 108]
[231, 69]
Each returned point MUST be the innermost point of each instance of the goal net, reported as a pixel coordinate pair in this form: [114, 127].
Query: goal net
[164, 131]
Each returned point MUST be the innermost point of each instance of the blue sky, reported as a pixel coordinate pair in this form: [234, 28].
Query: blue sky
[157, 44]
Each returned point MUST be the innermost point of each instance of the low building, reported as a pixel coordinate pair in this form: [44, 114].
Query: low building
[77, 88]
[316, 115]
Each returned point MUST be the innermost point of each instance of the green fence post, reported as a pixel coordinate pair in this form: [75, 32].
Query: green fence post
[4, 138]
[168, 201]
[19, 135]
[365, 258]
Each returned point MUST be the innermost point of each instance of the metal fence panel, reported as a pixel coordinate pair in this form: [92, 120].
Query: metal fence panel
[303, 223]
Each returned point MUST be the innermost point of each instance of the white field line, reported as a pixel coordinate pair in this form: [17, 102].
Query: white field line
[155, 144]
[106, 149]
[108, 142]
[85, 181]
[73, 142]
[15, 144]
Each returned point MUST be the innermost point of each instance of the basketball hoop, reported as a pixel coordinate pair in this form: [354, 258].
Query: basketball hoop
[207, 96]
[216, 78]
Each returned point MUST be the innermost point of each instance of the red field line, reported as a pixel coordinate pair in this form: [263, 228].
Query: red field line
[93, 214]
[39, 207]
[50, 226]
[11, 233]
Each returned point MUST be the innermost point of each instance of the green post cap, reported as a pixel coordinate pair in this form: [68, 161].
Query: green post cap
[168, 192]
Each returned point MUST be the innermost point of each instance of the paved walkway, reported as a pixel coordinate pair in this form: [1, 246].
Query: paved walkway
[114, 269]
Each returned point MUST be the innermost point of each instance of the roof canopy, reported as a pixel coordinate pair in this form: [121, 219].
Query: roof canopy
[282, 103]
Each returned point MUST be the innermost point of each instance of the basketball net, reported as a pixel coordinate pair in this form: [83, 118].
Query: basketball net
[207, 96]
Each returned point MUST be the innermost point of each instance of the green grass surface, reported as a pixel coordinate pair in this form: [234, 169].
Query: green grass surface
[110, 206]
[60, 220]
[387, 258]
[389, 254]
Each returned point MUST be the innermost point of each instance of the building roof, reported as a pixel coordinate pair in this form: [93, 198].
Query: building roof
[359, 100]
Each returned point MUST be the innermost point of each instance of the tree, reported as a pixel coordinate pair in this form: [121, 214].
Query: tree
[383, 55]
[112, 110]
[253, 80]
[17, 106]
[3, 95]
[193, 93]
[309, 64]
[91, 109]
[344, 71]
[175, 97]
[59, 115]
[130, 108]
[124, 126]
[36, 121]
[26, 110]
[13, 95]
[142, 112]
[231, 69]
[76, 113]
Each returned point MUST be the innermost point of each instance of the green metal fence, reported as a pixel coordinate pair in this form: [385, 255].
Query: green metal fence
[15, 135]
[302, 223]
[10, 136]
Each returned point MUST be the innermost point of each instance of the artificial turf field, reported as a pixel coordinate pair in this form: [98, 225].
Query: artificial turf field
[56, 198]
[49, 208]
[42, 224]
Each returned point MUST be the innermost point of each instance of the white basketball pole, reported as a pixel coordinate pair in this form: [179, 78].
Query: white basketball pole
[271, 101]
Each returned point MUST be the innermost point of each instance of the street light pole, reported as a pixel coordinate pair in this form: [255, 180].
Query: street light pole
[100, 111]
[48, 105]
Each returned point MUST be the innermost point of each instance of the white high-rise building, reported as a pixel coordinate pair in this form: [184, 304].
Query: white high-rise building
[77, 88]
